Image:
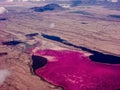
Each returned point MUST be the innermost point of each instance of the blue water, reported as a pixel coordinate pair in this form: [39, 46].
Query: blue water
[3, 19]
[97, 56]
[38, 62]
[13, 43]
[114, 16]
[32, 34]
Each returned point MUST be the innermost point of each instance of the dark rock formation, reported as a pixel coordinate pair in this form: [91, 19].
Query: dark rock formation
[3, 53]
[49, 7]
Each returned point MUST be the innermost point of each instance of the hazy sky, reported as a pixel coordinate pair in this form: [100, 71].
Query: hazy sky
[51, 0]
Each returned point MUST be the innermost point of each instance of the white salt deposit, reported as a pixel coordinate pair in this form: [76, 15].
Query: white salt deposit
[3, 75]
[3, 10]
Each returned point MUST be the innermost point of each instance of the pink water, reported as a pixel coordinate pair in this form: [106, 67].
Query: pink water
[74, 71]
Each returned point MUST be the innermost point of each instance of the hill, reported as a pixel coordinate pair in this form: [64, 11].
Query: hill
[48, 7]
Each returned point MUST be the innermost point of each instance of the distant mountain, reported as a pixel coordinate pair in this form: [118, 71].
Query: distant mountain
[76, 2]
[73, 2]
[48, 7]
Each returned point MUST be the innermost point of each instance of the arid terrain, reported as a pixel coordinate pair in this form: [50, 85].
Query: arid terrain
[22, 31]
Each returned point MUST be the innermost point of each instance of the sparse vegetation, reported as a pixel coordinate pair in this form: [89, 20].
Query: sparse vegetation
[82, 12]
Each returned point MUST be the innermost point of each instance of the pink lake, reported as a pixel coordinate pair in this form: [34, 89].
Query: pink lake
[74, 71]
